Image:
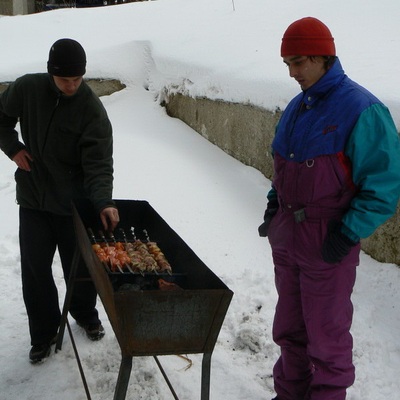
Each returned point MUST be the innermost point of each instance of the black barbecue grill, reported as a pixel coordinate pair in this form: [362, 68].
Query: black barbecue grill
[148, 321]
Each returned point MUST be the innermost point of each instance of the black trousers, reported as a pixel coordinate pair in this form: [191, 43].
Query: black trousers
[40, 234]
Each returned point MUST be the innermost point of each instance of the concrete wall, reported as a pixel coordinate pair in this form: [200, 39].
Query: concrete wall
[102, 87]
[246, 132]
[17, 7]
[243, 131]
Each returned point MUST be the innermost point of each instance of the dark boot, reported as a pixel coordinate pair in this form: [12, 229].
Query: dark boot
[39, 352]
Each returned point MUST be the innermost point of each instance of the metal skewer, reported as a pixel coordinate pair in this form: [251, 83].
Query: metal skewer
[149, 241]
[107, 245]
[126, 242]
[136, 239]
[94, 241]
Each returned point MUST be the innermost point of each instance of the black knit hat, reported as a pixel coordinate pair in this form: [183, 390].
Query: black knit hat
[67, 58]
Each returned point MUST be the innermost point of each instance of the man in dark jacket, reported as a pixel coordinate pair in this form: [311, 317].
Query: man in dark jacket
[65, 154]
[336, 179]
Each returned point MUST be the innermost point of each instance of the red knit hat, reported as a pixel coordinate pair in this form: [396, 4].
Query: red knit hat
[307, 37]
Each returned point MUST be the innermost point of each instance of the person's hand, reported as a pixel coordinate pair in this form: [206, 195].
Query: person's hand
[23, 160]
[271, 210]
[109, 217]
[336, 245]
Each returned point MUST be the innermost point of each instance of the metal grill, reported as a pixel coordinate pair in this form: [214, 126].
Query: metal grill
[155, 322]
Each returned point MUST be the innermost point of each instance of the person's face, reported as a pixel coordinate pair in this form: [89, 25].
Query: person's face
[68, 85]
[305, 70]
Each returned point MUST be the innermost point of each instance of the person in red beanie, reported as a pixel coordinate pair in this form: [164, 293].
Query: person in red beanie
[336, 179]
[65, 154]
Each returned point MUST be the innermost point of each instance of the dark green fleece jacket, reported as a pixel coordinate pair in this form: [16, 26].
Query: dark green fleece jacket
[69, 138]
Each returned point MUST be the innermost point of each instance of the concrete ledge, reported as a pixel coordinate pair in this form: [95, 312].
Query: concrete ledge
[102, 87]
[243, 131]
[384, 244]
[246, 132]
[17, 7]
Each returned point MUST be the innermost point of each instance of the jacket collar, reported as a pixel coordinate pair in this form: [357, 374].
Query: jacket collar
[328, 81]
[60, 94]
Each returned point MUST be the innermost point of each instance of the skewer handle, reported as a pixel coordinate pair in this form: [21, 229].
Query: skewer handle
[91, 235]
[123, 235]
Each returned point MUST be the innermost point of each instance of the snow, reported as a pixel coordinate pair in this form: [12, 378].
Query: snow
[220, 49]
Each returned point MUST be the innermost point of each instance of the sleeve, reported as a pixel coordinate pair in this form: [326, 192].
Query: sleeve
[374, 149]
[97, 158]
[9, 113]
[272, 196]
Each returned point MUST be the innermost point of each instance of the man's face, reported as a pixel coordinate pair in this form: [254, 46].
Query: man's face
[305, 70]
[68, 85]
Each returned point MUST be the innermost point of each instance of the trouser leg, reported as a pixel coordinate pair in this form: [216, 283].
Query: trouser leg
[83, 301]
[312, 328]
[40, 233]
[37, 247]
[328, 313]
[293, 370]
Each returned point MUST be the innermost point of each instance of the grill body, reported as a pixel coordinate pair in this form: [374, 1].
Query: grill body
[155, 322]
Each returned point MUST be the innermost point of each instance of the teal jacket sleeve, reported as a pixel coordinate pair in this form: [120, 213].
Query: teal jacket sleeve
[374, 150]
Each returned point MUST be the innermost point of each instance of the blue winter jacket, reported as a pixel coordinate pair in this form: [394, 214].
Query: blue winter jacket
[349, 138]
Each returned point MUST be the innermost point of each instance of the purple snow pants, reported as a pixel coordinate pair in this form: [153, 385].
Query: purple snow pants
[313, 314]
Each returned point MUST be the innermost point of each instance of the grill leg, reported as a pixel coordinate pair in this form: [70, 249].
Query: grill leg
[67, 300]
[123, 378]
[205, 376]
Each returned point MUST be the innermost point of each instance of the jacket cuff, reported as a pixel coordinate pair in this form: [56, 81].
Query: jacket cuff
[15, 150]
[349, 234]
[101, 205]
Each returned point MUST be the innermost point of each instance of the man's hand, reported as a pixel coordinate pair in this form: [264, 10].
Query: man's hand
[23, 160]
[109, 217]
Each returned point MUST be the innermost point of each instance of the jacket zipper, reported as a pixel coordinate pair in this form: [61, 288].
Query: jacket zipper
[45, 178]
